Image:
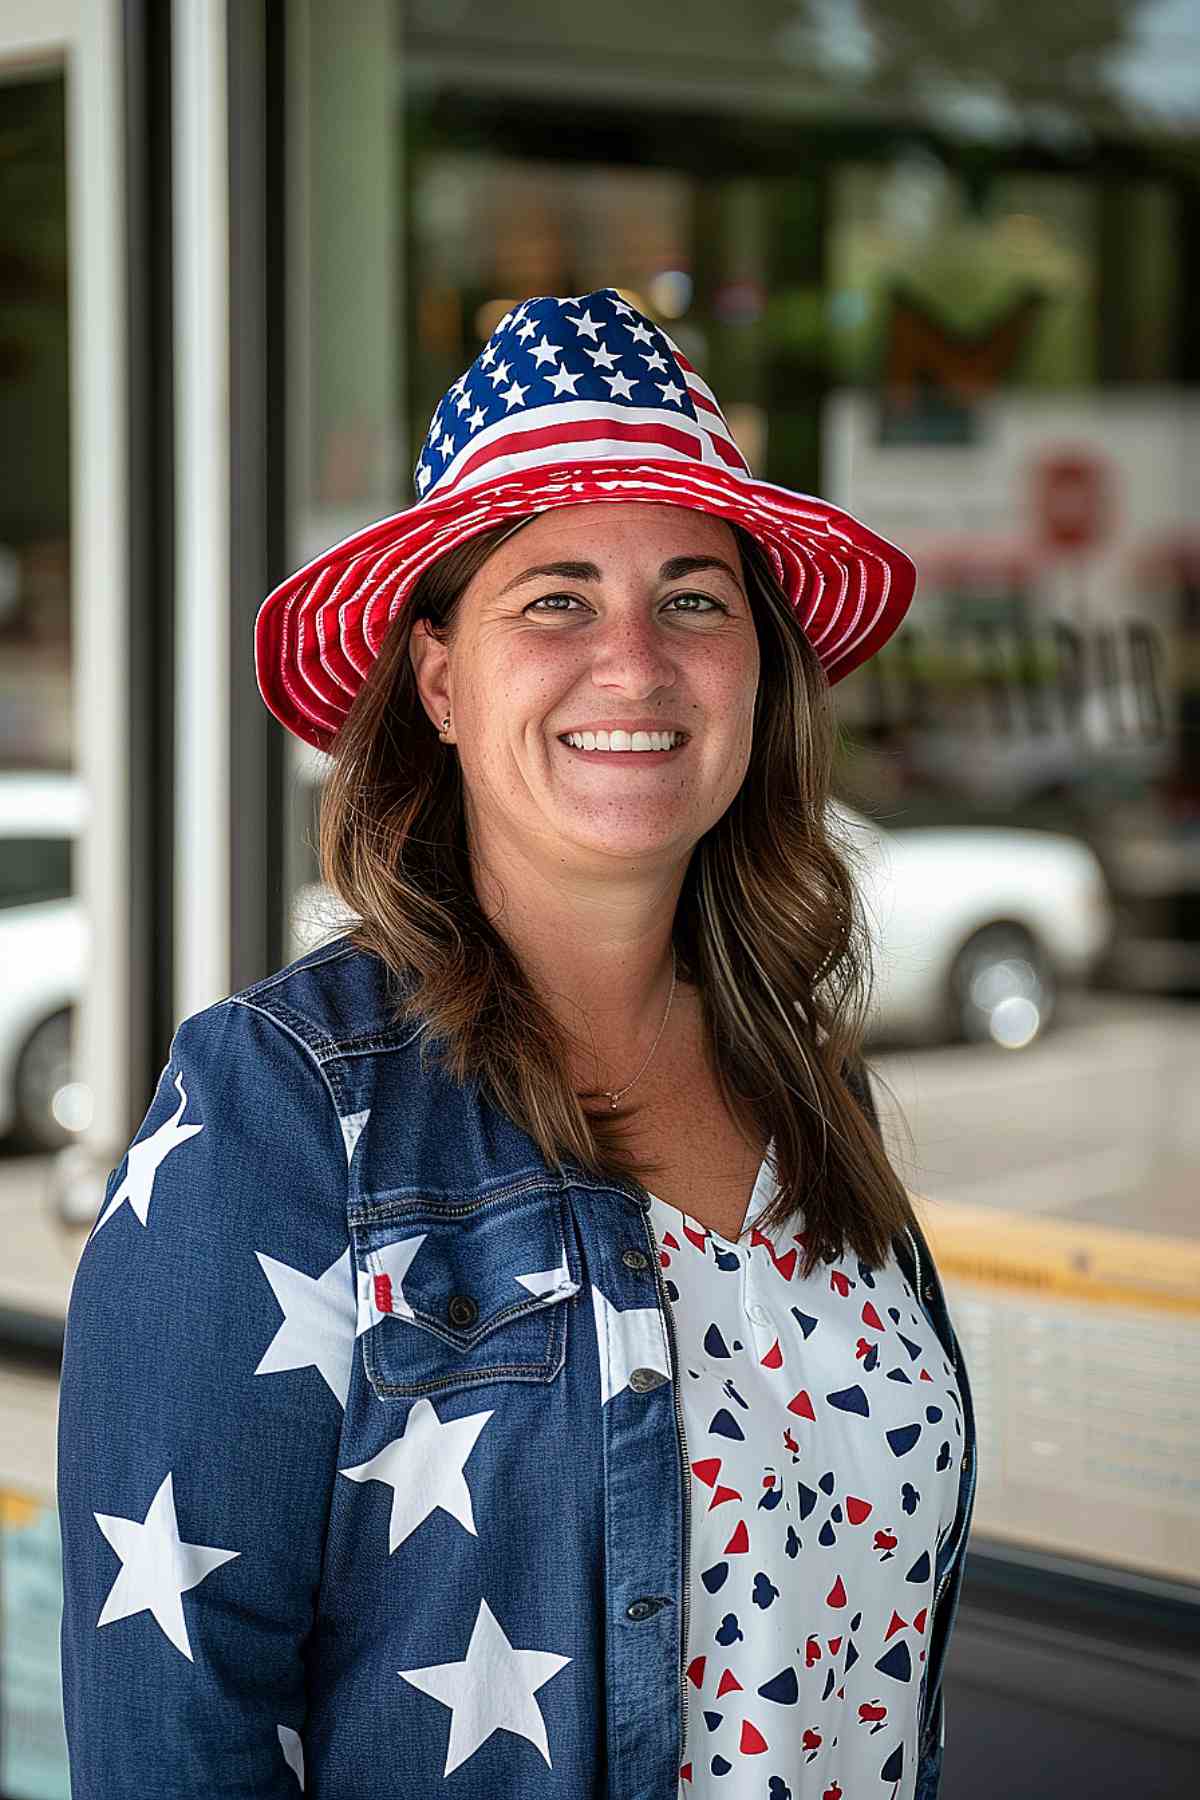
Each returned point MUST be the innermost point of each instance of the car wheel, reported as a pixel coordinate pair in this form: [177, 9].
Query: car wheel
[43, 1070]
[1002, 988]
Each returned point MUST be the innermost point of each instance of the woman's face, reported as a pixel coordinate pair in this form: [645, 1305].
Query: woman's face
[651, 623]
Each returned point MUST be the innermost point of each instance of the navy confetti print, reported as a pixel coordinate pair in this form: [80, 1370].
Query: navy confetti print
[824, 1436]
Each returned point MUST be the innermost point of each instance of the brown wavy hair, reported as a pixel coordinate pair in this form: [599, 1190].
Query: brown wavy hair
[768, 927]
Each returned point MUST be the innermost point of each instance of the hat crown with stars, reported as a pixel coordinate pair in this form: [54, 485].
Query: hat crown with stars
[559, 375]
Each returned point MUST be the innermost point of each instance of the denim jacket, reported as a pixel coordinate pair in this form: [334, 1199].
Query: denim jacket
[351, 1502]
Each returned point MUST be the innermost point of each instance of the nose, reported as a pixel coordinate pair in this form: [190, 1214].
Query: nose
[630, 654]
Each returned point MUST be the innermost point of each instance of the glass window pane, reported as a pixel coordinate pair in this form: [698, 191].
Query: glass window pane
[943, 278]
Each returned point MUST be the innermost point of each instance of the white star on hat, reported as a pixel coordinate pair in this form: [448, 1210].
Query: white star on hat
[545, 351]
[145, 1159]
[157, 1567]
[492, 1689]
[424, 1470]
[562, 381]
[319, 1316]
[619, 386]
[586, 327]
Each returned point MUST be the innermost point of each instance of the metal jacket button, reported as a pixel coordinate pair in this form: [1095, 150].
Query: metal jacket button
[642, 1609]
[642, 1380]
[462, 1310]
[635, 1259]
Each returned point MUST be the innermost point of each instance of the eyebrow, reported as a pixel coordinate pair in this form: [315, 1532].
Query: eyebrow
[672, 570]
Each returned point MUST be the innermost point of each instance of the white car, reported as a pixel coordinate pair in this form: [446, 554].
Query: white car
[43, 955]
[973, 930]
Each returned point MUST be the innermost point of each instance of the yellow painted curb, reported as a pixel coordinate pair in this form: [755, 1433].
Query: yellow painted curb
[16, 1510]
[1062, 1258]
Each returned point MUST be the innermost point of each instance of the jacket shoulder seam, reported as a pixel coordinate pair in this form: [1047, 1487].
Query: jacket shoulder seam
[297, 1037]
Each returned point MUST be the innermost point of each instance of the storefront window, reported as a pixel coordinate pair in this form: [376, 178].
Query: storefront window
[941, 276]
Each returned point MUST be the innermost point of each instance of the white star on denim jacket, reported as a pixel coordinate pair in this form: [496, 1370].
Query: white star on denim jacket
[144, 1159]
[424, 1469]
[157, 1567]
[492, 1689]
[318, 1329]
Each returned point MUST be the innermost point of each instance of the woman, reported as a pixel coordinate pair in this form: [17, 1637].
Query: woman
[433, 1418]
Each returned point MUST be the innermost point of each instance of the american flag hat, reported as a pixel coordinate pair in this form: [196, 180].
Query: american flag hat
[571, 400]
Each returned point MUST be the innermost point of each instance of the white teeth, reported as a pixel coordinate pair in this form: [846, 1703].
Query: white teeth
[623, 740]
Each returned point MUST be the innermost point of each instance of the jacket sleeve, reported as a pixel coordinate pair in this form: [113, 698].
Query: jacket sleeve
[209, 1340]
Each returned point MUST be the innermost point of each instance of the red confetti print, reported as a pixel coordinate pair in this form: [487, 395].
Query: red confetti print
[383, 1293]
[766, 1554]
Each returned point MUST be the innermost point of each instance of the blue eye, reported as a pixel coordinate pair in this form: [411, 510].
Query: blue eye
[707, 598]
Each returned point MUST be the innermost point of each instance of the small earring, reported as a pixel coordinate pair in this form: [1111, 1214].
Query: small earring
[446, 723]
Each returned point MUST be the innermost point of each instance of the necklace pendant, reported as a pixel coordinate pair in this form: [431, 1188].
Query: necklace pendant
[612, 1102]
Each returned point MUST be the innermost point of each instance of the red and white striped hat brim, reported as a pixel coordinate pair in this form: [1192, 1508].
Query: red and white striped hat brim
[318, 632]
[568, 435]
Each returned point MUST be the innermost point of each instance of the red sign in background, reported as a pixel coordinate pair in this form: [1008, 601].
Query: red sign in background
[1074, 500]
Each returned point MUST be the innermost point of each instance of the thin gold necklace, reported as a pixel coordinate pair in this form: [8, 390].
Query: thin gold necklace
[654, 1046]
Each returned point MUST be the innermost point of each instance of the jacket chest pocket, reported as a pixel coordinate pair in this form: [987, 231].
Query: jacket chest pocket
[454, 1293]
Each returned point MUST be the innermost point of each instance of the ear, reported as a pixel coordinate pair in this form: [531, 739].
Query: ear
[431, 670]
